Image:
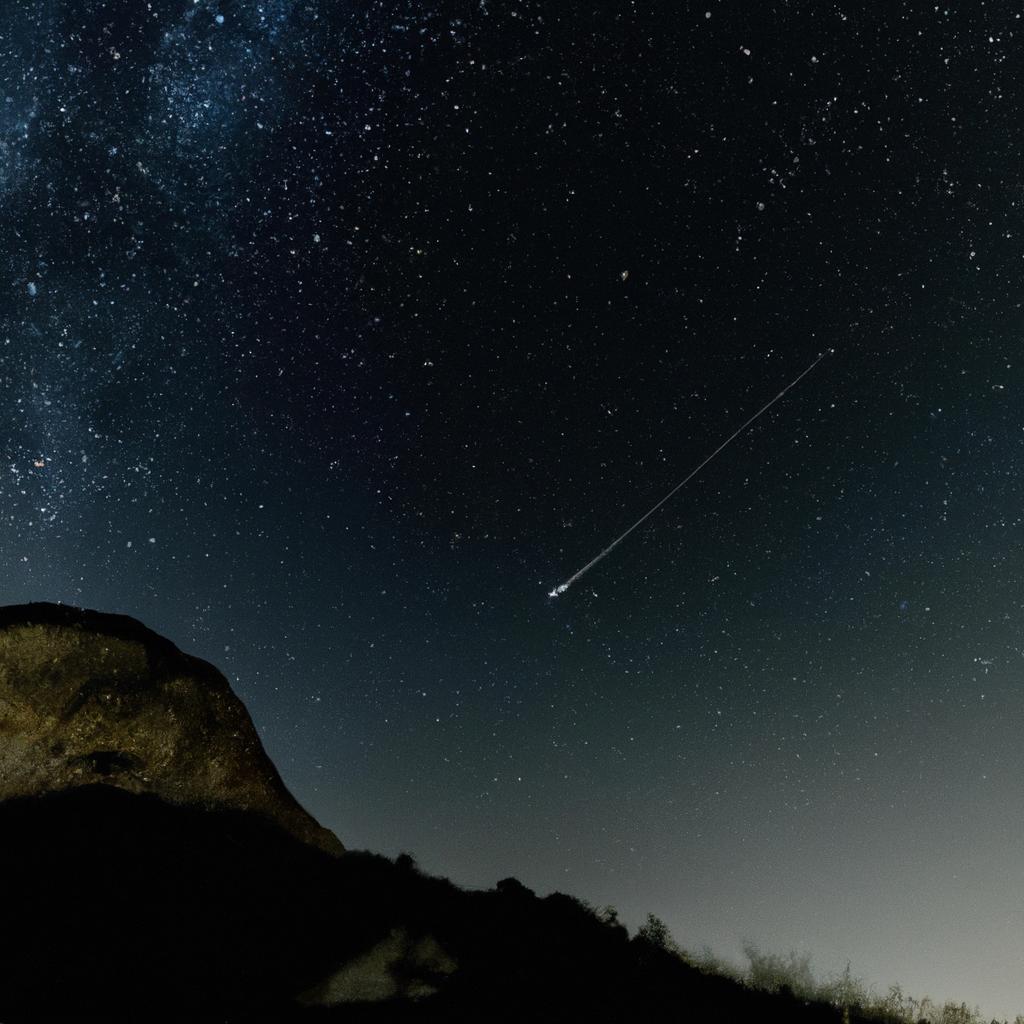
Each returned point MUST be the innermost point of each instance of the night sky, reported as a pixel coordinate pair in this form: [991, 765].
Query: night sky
[334, 336]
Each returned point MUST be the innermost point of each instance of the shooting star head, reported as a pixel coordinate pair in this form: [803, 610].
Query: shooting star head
[560, 589]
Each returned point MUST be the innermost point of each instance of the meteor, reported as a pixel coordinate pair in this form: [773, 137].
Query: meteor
[563, 587]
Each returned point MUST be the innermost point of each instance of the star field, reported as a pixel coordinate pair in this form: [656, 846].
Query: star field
[332, 337]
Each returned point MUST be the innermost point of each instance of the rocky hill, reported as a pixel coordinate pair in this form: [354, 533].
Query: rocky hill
[92, 698]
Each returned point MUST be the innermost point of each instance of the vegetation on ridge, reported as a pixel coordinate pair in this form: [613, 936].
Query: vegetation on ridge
[524, 958]
[793, 974]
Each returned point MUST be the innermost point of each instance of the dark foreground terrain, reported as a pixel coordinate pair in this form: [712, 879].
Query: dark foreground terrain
[121, 907]
[156, 868]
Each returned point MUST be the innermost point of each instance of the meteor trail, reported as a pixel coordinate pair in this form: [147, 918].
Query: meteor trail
[563, 587]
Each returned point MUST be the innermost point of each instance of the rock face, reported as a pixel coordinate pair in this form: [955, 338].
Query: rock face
[88, 698]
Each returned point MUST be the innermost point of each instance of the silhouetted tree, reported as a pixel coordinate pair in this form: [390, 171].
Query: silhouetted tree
[844, 990]
[771, 972]
[513, 887]
[406, 862]
[655, 932]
